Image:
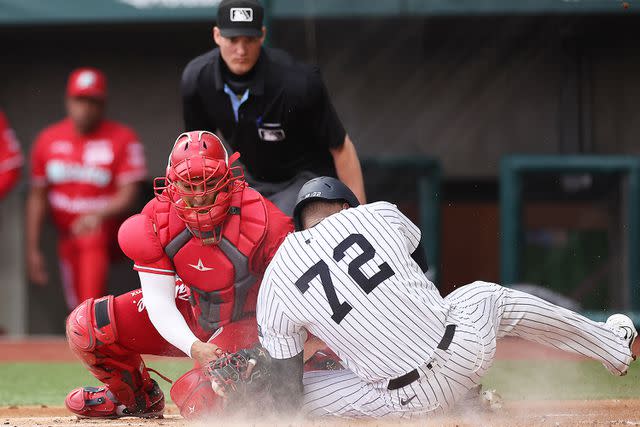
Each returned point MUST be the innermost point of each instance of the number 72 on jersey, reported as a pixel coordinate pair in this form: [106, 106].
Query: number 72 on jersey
[367, 284]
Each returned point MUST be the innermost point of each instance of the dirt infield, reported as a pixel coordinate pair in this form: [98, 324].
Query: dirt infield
[515, 413]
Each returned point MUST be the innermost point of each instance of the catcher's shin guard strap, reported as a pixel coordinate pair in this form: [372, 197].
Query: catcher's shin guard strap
[106, 332]
[101, 310]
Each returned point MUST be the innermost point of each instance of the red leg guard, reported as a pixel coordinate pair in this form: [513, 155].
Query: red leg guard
[93, 337]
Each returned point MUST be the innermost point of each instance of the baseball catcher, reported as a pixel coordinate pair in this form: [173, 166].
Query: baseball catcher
[200, 248]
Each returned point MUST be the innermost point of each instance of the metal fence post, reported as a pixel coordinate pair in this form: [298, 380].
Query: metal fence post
[633, 261]
[510, 217]
[429, 198]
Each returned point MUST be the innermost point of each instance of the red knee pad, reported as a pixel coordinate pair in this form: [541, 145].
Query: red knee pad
[193, 395]
[89, 325]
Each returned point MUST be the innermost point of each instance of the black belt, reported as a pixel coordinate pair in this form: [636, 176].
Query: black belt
[412, 376]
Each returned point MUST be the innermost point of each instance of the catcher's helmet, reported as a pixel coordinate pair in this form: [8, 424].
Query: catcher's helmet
[200, 182]
[322, 188]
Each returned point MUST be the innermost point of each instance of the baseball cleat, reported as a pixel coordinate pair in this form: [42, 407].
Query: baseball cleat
[99, 402]
[623, 327]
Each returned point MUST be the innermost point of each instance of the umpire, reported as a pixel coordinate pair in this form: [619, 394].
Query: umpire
[274, 111]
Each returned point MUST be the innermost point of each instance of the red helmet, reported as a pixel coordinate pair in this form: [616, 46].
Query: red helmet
[200, 182]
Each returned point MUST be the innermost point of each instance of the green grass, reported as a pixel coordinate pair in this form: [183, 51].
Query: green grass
[48, 384]
[560, 380]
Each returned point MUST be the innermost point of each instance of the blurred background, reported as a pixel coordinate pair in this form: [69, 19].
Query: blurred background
[508, 129]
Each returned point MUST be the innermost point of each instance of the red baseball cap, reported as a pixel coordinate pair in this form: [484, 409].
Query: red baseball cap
[89, 82]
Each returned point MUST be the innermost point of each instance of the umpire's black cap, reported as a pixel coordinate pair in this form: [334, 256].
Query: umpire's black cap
[322, 188]
[240, 18]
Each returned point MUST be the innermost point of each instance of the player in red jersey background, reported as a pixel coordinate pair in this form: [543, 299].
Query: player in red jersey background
[10, 157]
[86, 171]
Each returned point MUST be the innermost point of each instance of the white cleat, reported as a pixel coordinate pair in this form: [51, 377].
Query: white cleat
[623, 327]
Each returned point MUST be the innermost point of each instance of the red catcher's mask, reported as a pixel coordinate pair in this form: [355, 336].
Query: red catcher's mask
[200, 183]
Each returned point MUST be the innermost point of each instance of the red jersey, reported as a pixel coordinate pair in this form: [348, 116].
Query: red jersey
[10, 157]
[83, 172]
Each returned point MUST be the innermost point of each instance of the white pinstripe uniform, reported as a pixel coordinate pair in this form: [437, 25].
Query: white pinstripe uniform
[360, 258]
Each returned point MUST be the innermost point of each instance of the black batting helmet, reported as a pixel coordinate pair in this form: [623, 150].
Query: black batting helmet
[322, 188]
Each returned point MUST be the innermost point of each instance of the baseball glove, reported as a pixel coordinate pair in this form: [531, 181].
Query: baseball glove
[242, 373]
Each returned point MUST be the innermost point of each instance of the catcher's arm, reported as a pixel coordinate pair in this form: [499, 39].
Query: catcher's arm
[286, 383]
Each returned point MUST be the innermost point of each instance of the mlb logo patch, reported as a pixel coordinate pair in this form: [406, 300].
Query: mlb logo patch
[271, 135]
[241, 14]
[271, 132]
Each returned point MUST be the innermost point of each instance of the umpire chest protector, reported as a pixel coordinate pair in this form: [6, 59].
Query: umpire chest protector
[219, 277]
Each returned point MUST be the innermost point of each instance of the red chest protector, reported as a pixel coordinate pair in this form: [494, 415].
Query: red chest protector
[219, 276]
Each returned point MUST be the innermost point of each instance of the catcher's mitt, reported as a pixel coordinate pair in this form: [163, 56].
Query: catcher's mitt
[241, 373]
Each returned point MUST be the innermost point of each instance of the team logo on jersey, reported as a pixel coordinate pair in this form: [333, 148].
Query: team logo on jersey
[241, 14]
[182, 290]
[59, 172]
[200, 267]
[98, 152]
[182, 293]
[271, 132]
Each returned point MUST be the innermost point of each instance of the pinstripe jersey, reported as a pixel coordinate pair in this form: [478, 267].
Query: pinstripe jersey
[351, 281]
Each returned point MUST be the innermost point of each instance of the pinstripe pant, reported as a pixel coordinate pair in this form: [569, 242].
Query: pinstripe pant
[483, 313]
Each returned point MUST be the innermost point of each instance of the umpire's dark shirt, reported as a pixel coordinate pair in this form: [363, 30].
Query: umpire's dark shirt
[287, 124]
